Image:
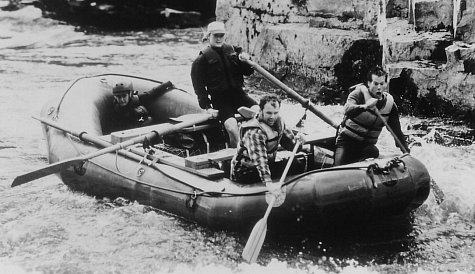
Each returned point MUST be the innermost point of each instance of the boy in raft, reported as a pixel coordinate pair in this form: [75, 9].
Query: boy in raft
[361, 126]
[129, 106]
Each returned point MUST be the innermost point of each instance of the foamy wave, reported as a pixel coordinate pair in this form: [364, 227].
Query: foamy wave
[26, 28]
[7, 267]
[274, 266]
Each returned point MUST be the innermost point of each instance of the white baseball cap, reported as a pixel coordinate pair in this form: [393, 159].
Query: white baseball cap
[216, 27]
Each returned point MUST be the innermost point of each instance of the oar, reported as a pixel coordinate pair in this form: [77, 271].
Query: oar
[438, 193]
[58, 166]
[305, 103]
[399, 143]
[258, 233]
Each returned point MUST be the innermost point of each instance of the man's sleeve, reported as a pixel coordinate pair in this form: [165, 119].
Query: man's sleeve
[245, 68]
[198, 80]
[288, 140]
[255, 142]
[353, 103]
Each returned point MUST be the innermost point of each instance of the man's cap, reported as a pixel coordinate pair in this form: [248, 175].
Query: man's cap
[122, 87]
[216, 27]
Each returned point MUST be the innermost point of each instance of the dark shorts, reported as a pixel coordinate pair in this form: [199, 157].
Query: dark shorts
[229, 108]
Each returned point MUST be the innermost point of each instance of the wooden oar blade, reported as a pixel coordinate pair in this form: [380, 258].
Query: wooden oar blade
[45, 171]
[255, 241]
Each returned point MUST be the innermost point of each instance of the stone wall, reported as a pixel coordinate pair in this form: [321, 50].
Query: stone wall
[304, 41]
[328, 45]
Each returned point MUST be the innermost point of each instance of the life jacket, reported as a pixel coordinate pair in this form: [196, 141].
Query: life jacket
[222, 74]
[273, 136]
[367, 126]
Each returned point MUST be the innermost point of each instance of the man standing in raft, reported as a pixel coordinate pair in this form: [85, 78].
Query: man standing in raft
[218, 77]
[361, 126]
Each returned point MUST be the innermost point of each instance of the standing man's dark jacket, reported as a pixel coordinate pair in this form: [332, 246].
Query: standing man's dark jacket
[217, 76]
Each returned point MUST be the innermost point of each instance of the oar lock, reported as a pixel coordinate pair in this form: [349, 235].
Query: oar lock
[140, 171]
[191, 200]
[79, 168]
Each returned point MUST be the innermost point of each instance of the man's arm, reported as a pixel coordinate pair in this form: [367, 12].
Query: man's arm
[289, 140]
[255, 142]
[198, 79]
[355, 104]
[147, 97]
[245, 68]
[359, 100]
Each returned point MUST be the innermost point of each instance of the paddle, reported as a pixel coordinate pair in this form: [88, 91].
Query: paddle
[305, 103]
[56, 167]
[438, 193]
[258, 233]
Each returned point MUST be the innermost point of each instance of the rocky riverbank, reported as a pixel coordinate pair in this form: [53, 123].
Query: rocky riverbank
[321, 48]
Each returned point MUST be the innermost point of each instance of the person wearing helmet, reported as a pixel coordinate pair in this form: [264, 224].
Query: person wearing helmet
[217, 75]
[129, 106]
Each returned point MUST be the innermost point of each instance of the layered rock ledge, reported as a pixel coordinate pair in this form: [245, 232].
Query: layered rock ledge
[321, 47]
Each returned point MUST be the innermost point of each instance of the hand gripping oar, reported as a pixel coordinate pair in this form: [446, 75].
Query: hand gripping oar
[305, 103]
[438, 193]
[258, 233]
[56, 167]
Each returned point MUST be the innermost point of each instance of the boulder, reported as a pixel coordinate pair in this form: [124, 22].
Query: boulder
[397, 8]
[402, 43]
[466, 27]
[433, 15]
[450, 92]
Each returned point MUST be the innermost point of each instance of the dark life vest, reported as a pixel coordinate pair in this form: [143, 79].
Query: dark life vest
[131, 115]
[222, 74]
[367, 126]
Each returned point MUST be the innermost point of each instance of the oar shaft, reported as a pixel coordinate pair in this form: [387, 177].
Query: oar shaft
[438, 193]
[58, 166]
[292, 93]
[289, 163]
[399, 143]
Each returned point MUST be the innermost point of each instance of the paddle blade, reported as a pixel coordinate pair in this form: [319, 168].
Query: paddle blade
[45, 171]
[255, 241]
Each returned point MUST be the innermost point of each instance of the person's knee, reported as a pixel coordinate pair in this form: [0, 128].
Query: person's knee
[231, 127]
[231, 124]
[370, 152]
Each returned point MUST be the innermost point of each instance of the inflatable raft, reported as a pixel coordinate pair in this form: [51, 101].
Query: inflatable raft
[186, 173]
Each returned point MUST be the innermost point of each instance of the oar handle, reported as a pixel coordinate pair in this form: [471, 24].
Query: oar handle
[292, 93]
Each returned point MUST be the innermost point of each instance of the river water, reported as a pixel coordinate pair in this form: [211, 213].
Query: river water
[46, 228]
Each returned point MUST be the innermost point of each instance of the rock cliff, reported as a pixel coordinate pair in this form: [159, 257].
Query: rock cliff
[322, 47]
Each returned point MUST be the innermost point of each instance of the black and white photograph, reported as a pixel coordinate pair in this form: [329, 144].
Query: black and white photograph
[235, 137]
